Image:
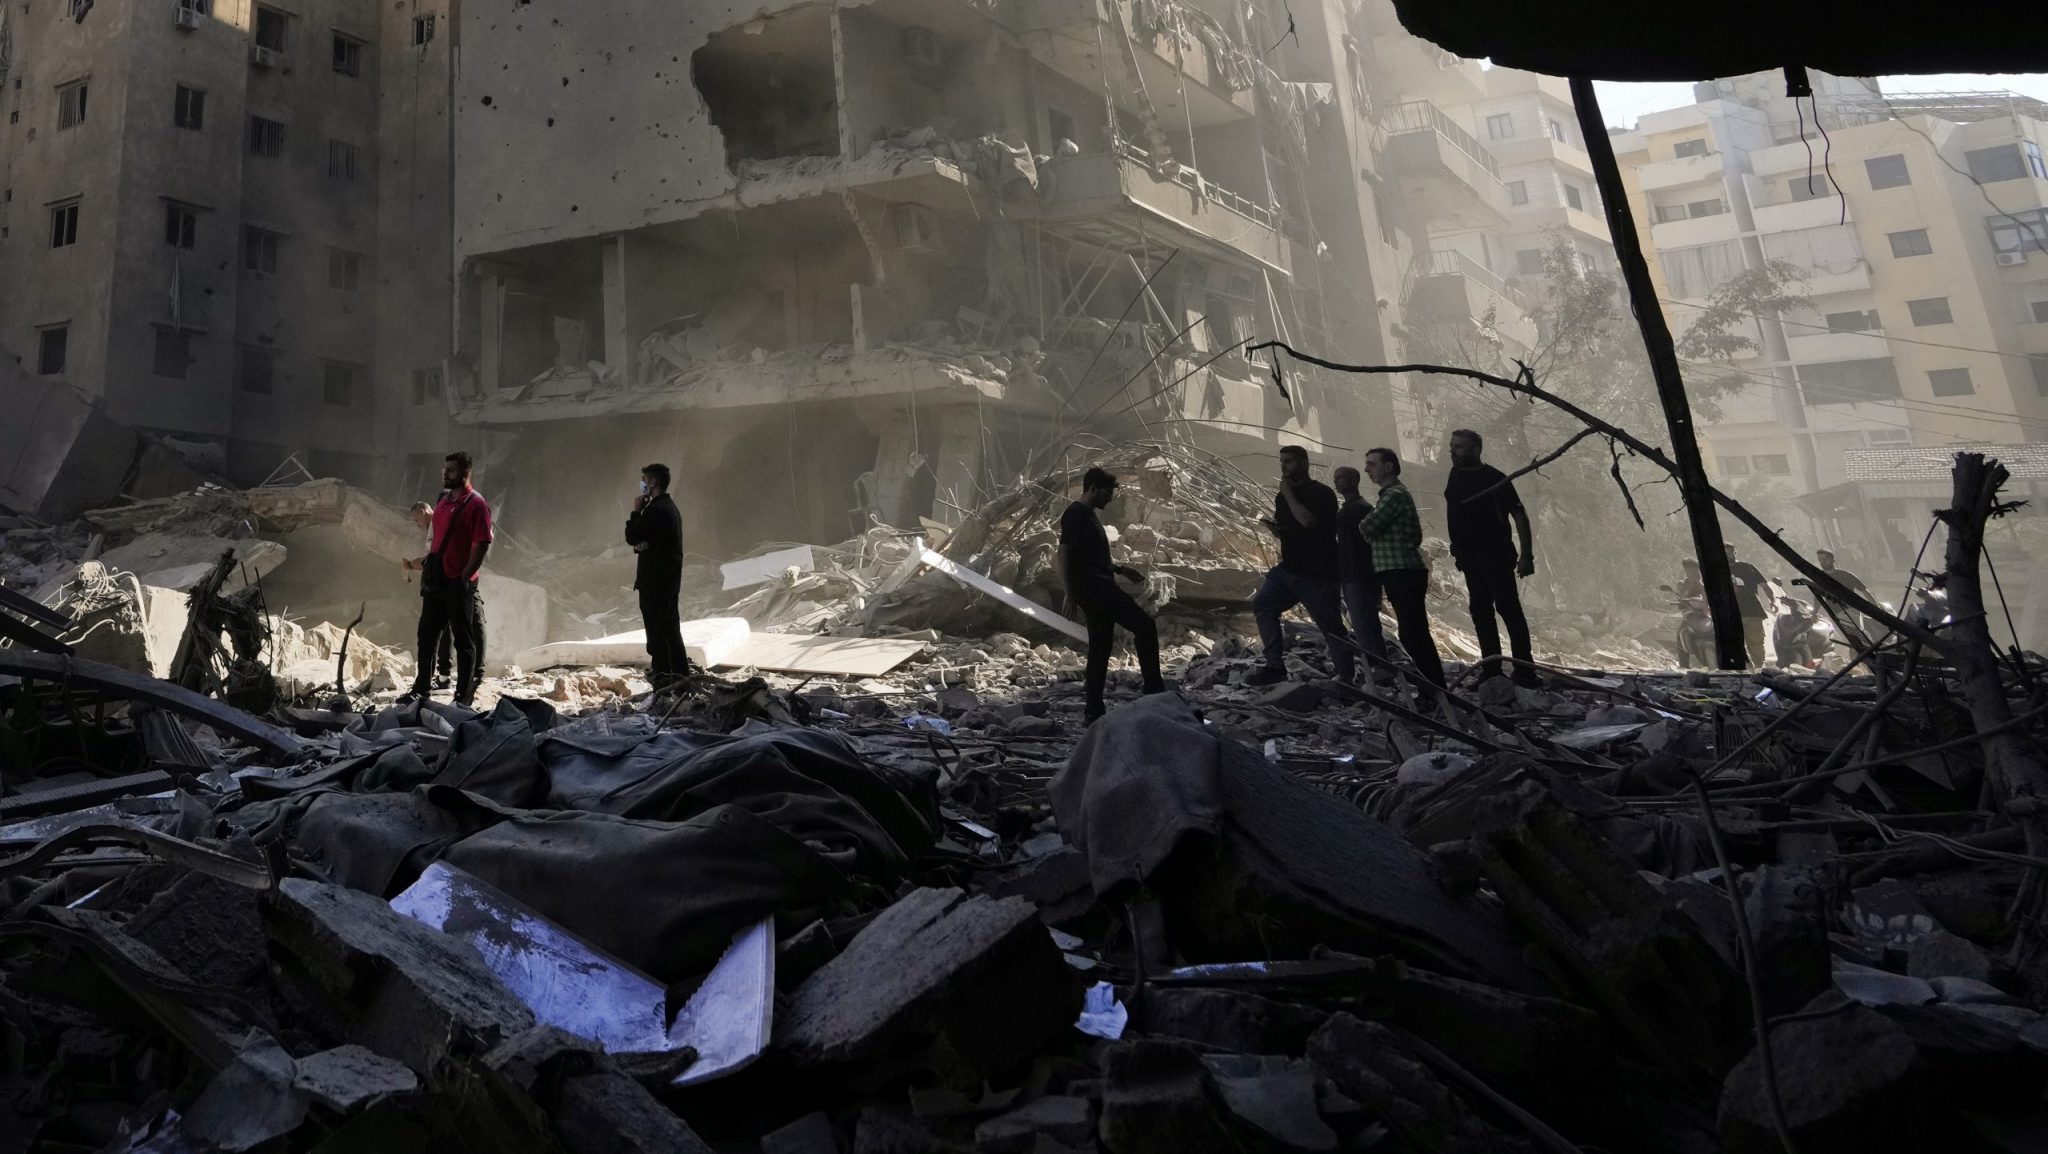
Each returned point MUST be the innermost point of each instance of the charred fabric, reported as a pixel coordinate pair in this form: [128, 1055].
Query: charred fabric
[251, 901]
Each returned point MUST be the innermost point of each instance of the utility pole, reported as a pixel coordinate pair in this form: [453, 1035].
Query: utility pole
[1685, 447]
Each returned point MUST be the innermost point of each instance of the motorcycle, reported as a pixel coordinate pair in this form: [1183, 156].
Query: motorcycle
[1692, 630]
[1801, 634]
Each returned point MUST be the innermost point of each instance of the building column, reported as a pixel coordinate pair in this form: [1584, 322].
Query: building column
[618, 348]
[491, 357]
[895, 472]
[956, 465]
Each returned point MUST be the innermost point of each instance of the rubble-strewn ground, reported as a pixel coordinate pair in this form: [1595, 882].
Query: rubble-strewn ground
[929, 911]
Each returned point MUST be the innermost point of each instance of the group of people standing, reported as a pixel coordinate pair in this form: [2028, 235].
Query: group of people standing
[1339, 553]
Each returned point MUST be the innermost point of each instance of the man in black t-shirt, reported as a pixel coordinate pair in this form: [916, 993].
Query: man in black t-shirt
[1305, 520]
[1355, 570]
[1479, 505]
[1755, 600]
[1090, 578]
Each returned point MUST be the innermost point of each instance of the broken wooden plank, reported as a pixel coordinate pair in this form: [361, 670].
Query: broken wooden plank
[117, 682]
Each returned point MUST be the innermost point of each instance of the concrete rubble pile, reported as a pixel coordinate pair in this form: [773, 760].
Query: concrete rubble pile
[934, 912]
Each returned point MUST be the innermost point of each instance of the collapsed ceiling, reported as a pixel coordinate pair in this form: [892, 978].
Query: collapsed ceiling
[1613, 40]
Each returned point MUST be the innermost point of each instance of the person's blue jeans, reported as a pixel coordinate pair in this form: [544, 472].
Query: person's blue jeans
[1282, 590]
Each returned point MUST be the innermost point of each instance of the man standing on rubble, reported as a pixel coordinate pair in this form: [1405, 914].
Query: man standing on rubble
[444, 660]
[1756, 601]
[655, 531]
[1354, 567]
[448, 580]
[1090, 578]
[1305, 520]
[1479, 505]
[1395, 530]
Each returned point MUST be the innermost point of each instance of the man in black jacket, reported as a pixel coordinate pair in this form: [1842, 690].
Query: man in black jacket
[655, 531]
[1090, 579]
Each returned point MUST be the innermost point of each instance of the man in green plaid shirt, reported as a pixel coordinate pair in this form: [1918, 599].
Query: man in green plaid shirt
[1395, 530]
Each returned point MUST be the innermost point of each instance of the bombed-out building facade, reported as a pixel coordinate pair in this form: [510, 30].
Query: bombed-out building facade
[843, 261]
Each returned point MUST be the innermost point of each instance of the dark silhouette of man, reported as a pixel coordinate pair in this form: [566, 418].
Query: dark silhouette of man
[1395, 529]
[1755, 600]
[1305, 520]
[1479, 505]
[1090, 578]
[444, 655]
[1354, 568]
[655, 531]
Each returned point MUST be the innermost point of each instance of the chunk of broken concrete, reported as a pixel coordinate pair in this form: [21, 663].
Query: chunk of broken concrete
[1940, 954]
[1369, 1064]
[978, 976]
[367, 974]
[348, 1077]
[1066, 1120]
[1158, 1098]
[1275, 1097]
[608, 1113]
[1432, 768]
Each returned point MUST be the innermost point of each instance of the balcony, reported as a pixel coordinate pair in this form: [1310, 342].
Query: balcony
[1419, 68]
[1682, 171]
[1563, 216]
[1217, 70]
[1105, 185]
[1698, 230]
[1540, 149]
[1441, 169]
[1820, 212]
[1808, 347]
[1452, 288]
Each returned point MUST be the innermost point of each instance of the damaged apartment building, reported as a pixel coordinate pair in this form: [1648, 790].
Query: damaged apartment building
[843, 261]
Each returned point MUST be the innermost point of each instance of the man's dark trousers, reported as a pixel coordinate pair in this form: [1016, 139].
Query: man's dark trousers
[1362, 603]
[1282, 590]
[661, 613]
[1490, 589]
[455, 613]
[1104, 610]
[1406, 590]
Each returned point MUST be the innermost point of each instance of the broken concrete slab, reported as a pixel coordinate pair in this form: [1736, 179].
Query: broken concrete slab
[1849, 1080]
[1371, 1065]
[1158, 1098]
[370, 975]
[1274, 1097]
[208, 928]
[977, 976]
[179, 561]
[708, 642]
[1067, 1120]
[810, 1134]
[766, 567]
[346, 1078]
[609, 1113]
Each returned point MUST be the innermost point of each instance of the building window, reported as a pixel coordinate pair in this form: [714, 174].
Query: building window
[266, 137]
[426, 385]
[1666, 213]
[1058, 126]
[256, 370]
[1950, 382]
[1500, 126]
[198, 7]
[2036, 167]
[173, 353]
[1529, 262]
[181, 225]
[1930, 311]
[1856, 321]
[270, 28]
[1557, 132]
[1811, 187]
[64, 225]
[1699, 208]
[2040, 312]
[71, 105]
[259, 250]
[2039, 361]
[1850, 382]
[2023, 231]
[53, 348]
[2004, 162]
[190, 110]
[344, 269]
[422, 30]
[348, 55]
[341, 159]
[1572, 197]
[1735, 466]
[1772, 464]
[1887, 171]
[1912, 242]
[1518, 192]
[337, 382]
[1690, 148]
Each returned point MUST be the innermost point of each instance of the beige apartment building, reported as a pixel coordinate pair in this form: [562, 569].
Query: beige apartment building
[1918, 223]
[226, 223]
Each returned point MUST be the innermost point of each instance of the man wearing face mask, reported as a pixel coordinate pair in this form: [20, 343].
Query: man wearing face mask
[655, 531]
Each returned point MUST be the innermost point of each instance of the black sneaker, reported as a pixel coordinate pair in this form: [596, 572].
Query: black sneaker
[1265, 676]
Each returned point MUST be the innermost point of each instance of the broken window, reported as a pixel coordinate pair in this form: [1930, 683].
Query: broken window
[256, 371]
[190, 109]
[342, 159]
[1058, 126]
[1695, 147]
[259, 250]
[64, 225]
[1887, 171]
[270, 28]
[266, 137]
[1912, 242]
[1930, 311]
[422, 30]
[348, 55]
[771, 90]
[337, 382]
[426, 385]
[1950, 382]
[71, 105]
[181, 225]
[344, 269]
[53, 347]
[173, 353]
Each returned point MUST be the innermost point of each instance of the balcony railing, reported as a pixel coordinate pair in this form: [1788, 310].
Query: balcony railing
[1194, 182]
[1451, 262]
[1422, 116]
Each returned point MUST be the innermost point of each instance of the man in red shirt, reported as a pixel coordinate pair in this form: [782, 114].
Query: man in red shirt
[448, 580]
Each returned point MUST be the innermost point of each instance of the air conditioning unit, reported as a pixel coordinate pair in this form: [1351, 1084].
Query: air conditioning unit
[186, 18]
[263, 57]
[2011, 258]
[921, 49]
[917, 230]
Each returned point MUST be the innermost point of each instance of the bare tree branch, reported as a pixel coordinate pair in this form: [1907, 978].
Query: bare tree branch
[1533, 465]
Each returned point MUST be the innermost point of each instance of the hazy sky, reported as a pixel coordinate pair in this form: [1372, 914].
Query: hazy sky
[1622, 103]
